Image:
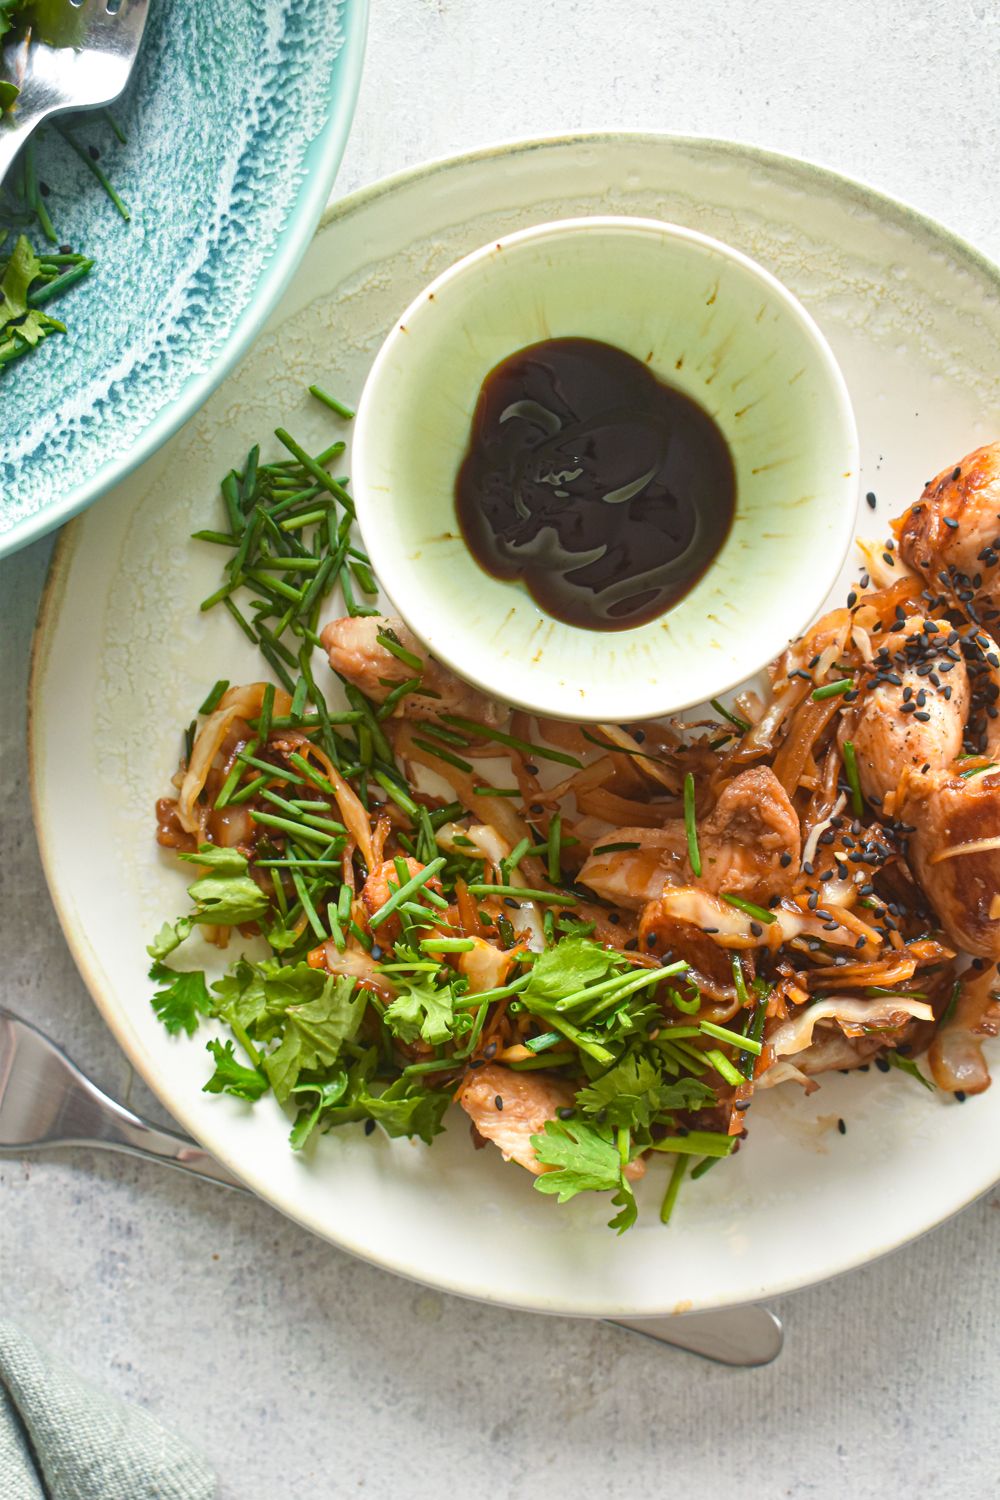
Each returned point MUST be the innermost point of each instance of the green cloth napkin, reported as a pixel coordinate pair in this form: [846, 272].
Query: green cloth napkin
[60, 1439]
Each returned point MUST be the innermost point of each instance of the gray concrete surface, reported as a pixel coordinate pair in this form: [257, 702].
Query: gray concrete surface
[303, 1373]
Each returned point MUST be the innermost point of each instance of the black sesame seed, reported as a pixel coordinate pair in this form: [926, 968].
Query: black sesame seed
[498, 1101]
[951, 522]
[369, 1127]
[870, 497]
[841, 1127]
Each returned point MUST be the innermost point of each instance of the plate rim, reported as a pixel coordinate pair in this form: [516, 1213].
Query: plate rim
[46, 623]
[322, 160]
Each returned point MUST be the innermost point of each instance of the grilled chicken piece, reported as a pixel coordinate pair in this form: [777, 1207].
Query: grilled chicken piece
[528, 1099]
[356, 654]
[906, 721]
[631, 877]
[951, 817]
[742, 841]
[954, 529]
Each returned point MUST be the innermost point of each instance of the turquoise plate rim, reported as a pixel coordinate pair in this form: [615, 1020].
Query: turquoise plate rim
[321, 161]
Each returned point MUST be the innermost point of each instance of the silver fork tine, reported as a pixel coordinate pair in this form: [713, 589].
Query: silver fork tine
[46, 1101]
[86, 75]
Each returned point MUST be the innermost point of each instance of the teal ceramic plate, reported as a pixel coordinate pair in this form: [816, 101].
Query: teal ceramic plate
[236, 119]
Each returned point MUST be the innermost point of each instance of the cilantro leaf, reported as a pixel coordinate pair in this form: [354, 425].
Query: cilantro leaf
[907, 1065]
[231, 1077]
[182, 998]
[227, 895]
[586, 1155]
[628, 1093]
[20, 271]
[568, 966]
[634, 1093]
[222, 861]
[405, 1108]
[628, 1209]
[170, 937]
[424, 1011]
[315, 1031]
[327, 1094]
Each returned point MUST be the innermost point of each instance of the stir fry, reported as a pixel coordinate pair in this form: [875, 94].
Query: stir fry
[598, 941]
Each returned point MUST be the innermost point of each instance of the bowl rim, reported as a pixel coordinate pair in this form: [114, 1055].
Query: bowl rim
[403, 581]
[321, 163]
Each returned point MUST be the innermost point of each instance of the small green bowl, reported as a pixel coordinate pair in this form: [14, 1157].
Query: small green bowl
[707, 320]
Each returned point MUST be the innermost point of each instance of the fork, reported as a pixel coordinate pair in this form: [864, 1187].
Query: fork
[46, 1101]
[93, 70]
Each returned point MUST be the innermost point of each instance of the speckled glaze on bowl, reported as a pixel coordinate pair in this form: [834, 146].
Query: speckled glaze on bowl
[708, 321]
[236, 116]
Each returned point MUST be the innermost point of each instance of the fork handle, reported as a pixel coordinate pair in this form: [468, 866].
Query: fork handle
[118, 1129]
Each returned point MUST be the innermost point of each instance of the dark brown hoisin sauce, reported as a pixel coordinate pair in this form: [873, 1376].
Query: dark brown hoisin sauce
[605, 490]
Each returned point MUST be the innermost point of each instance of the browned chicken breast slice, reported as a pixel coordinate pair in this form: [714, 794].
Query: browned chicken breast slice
[355, 652]
[952, 534]
[509, 1108]
[749, 844]
[914, 711]
[953, 819]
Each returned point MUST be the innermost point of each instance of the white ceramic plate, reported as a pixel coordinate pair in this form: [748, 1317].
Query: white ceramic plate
[123, 656]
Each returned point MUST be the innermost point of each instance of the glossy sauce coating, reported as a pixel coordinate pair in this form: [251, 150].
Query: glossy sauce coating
[608, 492]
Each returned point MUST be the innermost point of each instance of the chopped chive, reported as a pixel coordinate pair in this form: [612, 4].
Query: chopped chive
[212, 701]
[727, 713]
[408, 889]
[496, 791]
[266, 713]
[447, 945]
[833, 689]
[307, 906]
[60, 284]
[396, 696]
[362, 936]
[98, 172]
[705, 1165]
[673, 1188]
[949, 1009]
[544, 1042]
[222, 538]
[388, 641]
[555, 850]
[690, 825]
[443, 754]
[613, 848]
[398, 794]
[336, 931]
[558, 898]
[286, 825]
[346, 412]
[733, 1038]
[720, 1062]
[697, 1143]
[275, 773]
[853, 779]
[234, 778]
[365, 579]
[248, 790]
[515, 856]
[298, 701]
[535, 752]
[314, 467]
[754, 1034]
[759, 913]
